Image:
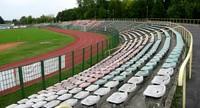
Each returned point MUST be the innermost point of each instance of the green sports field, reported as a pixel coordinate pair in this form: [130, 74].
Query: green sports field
[36, 41]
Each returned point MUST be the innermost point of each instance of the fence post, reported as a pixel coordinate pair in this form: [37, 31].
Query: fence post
[90, 55]
[97, 52]
[102, 51]
[60, 69]
[21, 82]
[110, 44]
[83, 59]
[72, 63]
[43, 75]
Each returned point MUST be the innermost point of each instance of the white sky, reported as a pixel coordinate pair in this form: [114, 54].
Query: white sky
[15, 9]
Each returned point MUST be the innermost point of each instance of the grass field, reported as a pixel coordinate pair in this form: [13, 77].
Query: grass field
[15, 96]
[36, 41]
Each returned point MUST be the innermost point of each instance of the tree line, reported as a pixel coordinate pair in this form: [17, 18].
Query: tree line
[24, 20]
[2, 20]
[99, 9]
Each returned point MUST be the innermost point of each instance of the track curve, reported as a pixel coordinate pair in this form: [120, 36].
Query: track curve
[83, 39]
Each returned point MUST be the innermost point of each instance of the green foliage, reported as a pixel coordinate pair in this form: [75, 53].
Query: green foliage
[30, 20]
[88, 9]
[158, 10]
[2, 20]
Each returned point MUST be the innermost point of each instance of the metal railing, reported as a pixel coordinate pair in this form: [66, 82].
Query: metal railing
[188, 60]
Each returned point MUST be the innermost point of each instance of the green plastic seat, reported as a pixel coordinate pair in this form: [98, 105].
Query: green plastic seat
[132, 68]
[134, 59]
[126, 73]
[107, 77]
[159, 56]
[120, 69]
[129, 63]
[142, 73]
[119, 78]
[115, 72]
[169, 65]
[169, 60]
[155, 59]
[149, 68]
[173, 56]
[151, 63]
[101, 82]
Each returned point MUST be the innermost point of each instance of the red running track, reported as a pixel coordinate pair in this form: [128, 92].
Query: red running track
[83, 39]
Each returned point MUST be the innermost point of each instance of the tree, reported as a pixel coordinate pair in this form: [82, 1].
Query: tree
[158, 10]
[2, 20]
[23, 20]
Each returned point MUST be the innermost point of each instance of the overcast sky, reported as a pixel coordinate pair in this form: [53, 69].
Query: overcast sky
[15, 9]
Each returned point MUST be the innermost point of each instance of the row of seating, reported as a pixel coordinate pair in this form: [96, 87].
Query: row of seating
[122, 94]
[52, 96]
[118, 76]
[163, 76]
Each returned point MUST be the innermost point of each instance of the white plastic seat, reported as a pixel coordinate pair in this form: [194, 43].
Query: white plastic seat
[12, 106]
[38, 99]
[136, 80]
[64, 97]
[111, 84]
[102, 91]
[61, 92]
[155, 91]
[22, 101]
[52, 104]
[39, 104]
[168, 71]
[161, 80]
[127, 88]
[70, 102]
[92, 88]
[81, 95]
[29, 104]
[49, 94]
[21, 106]
[90, 100]
[117, 97]
[75, 90]
[52, 97]
[32, 96]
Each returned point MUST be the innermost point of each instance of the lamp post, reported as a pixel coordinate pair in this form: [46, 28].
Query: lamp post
[108, 13]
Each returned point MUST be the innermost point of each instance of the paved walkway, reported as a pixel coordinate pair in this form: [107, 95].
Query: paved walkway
[193, 85]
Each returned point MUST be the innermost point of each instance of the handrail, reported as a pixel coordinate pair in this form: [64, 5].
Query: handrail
[183, 66]
[188, 59]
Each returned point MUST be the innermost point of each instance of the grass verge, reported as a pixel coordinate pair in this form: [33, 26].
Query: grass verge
[36, 42]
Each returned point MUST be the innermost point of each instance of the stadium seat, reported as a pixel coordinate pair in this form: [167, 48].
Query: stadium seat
[166, 71]
[155, 91]
[92, 88]
[117, 97]
[127, 88]
[102, 91]
[136, 80]
[90, 100]
[70, 102]
[64, 97]
[52, 104]
[161, 80]
[81, 95]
